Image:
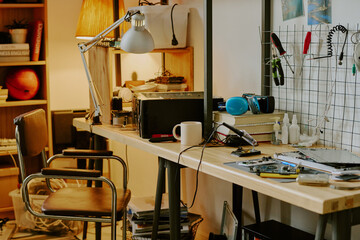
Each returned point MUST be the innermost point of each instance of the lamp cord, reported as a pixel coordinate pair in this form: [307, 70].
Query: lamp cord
[174, 41]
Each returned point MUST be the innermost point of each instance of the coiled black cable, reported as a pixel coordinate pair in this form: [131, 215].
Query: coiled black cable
[329, 41]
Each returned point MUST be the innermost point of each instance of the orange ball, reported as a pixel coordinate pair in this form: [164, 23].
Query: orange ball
[22, 83]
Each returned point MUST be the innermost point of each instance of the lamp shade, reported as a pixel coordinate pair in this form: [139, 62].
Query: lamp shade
[137, 39]
[97, 15]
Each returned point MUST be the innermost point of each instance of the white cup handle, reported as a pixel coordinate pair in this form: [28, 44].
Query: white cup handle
[174, 132]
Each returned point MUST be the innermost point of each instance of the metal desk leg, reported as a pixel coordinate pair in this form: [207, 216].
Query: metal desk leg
[237, 192]
[321, 226]
[158, 197]
[99, 144]
[256, 206]
[174, 199]
[341, 225]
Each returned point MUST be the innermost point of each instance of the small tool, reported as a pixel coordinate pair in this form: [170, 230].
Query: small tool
[277, 70]
[305, 50]
[276, 41]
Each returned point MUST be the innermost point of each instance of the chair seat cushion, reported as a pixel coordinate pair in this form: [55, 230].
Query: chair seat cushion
[84, 201]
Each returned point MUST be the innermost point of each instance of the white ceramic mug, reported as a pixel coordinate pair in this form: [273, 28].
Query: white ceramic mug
[190, 133]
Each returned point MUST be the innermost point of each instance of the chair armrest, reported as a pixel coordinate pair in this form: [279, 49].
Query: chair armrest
[71, 172]
[86, 152]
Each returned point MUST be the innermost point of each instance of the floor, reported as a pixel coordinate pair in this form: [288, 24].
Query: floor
[10, 230]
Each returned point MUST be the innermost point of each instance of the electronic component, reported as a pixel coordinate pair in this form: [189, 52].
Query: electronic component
[256, 162]
[240, 152]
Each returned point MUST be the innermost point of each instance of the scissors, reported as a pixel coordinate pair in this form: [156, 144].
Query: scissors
[277, 70]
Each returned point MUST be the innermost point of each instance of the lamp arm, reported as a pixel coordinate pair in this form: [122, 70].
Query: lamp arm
[94, 97]
[84, 47]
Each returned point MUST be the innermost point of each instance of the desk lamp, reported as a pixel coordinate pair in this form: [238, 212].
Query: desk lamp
[136, 40]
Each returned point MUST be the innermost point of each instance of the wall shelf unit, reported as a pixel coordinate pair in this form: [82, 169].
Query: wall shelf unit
[12, 108]
[179, 61]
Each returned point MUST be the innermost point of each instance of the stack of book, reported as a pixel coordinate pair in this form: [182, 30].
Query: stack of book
[14, 52]
[3, 95]
[141, 211]
[259, 126]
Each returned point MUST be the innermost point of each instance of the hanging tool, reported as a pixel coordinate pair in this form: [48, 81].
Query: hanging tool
[276, 41]
[277, 70]
[305, 50]
[342, 29]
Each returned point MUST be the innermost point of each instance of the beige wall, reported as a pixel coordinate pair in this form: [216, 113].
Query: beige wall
[236, 70]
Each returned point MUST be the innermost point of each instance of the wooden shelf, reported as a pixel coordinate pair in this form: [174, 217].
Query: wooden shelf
[22, 5]
[6, 153]
[23, 103]
[13, 152]
[179, 61]
[27, 63]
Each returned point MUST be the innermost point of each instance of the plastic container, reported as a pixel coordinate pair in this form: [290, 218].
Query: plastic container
[158, 22]
[275, 138]
[24, 219]
[294, 131]
[22, 216]
[285, 130]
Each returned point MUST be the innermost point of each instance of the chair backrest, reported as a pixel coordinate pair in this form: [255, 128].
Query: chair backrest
[31, 137]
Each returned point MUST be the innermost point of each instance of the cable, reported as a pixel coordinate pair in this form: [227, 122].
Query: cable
[174, 41]
[201, 157]
[342, 29]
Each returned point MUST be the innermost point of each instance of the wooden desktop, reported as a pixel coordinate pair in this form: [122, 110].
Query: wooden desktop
[327, 202]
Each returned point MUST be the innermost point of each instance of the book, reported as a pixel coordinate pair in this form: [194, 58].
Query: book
[14, 46]
[14, 58]
[259, 126]
[143, 207]
[3, 91]
[5, 53]
[34, 38]
[246, 118]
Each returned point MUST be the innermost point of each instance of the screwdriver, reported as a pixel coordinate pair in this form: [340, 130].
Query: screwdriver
[306, 48]
[276, 41]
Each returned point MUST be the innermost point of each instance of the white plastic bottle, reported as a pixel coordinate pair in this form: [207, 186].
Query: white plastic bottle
[285, 130]
[294, 131]
[276, 129]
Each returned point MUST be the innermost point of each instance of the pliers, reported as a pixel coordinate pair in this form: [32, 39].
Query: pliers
[277, 70]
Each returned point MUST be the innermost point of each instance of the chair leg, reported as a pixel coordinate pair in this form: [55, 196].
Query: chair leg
[124, 224]
[85, 230]
[98, 231]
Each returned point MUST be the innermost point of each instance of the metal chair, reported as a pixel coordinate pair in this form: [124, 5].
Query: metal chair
[104, 205]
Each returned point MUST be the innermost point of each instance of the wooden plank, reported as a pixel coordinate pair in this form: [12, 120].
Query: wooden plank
[99, 62]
